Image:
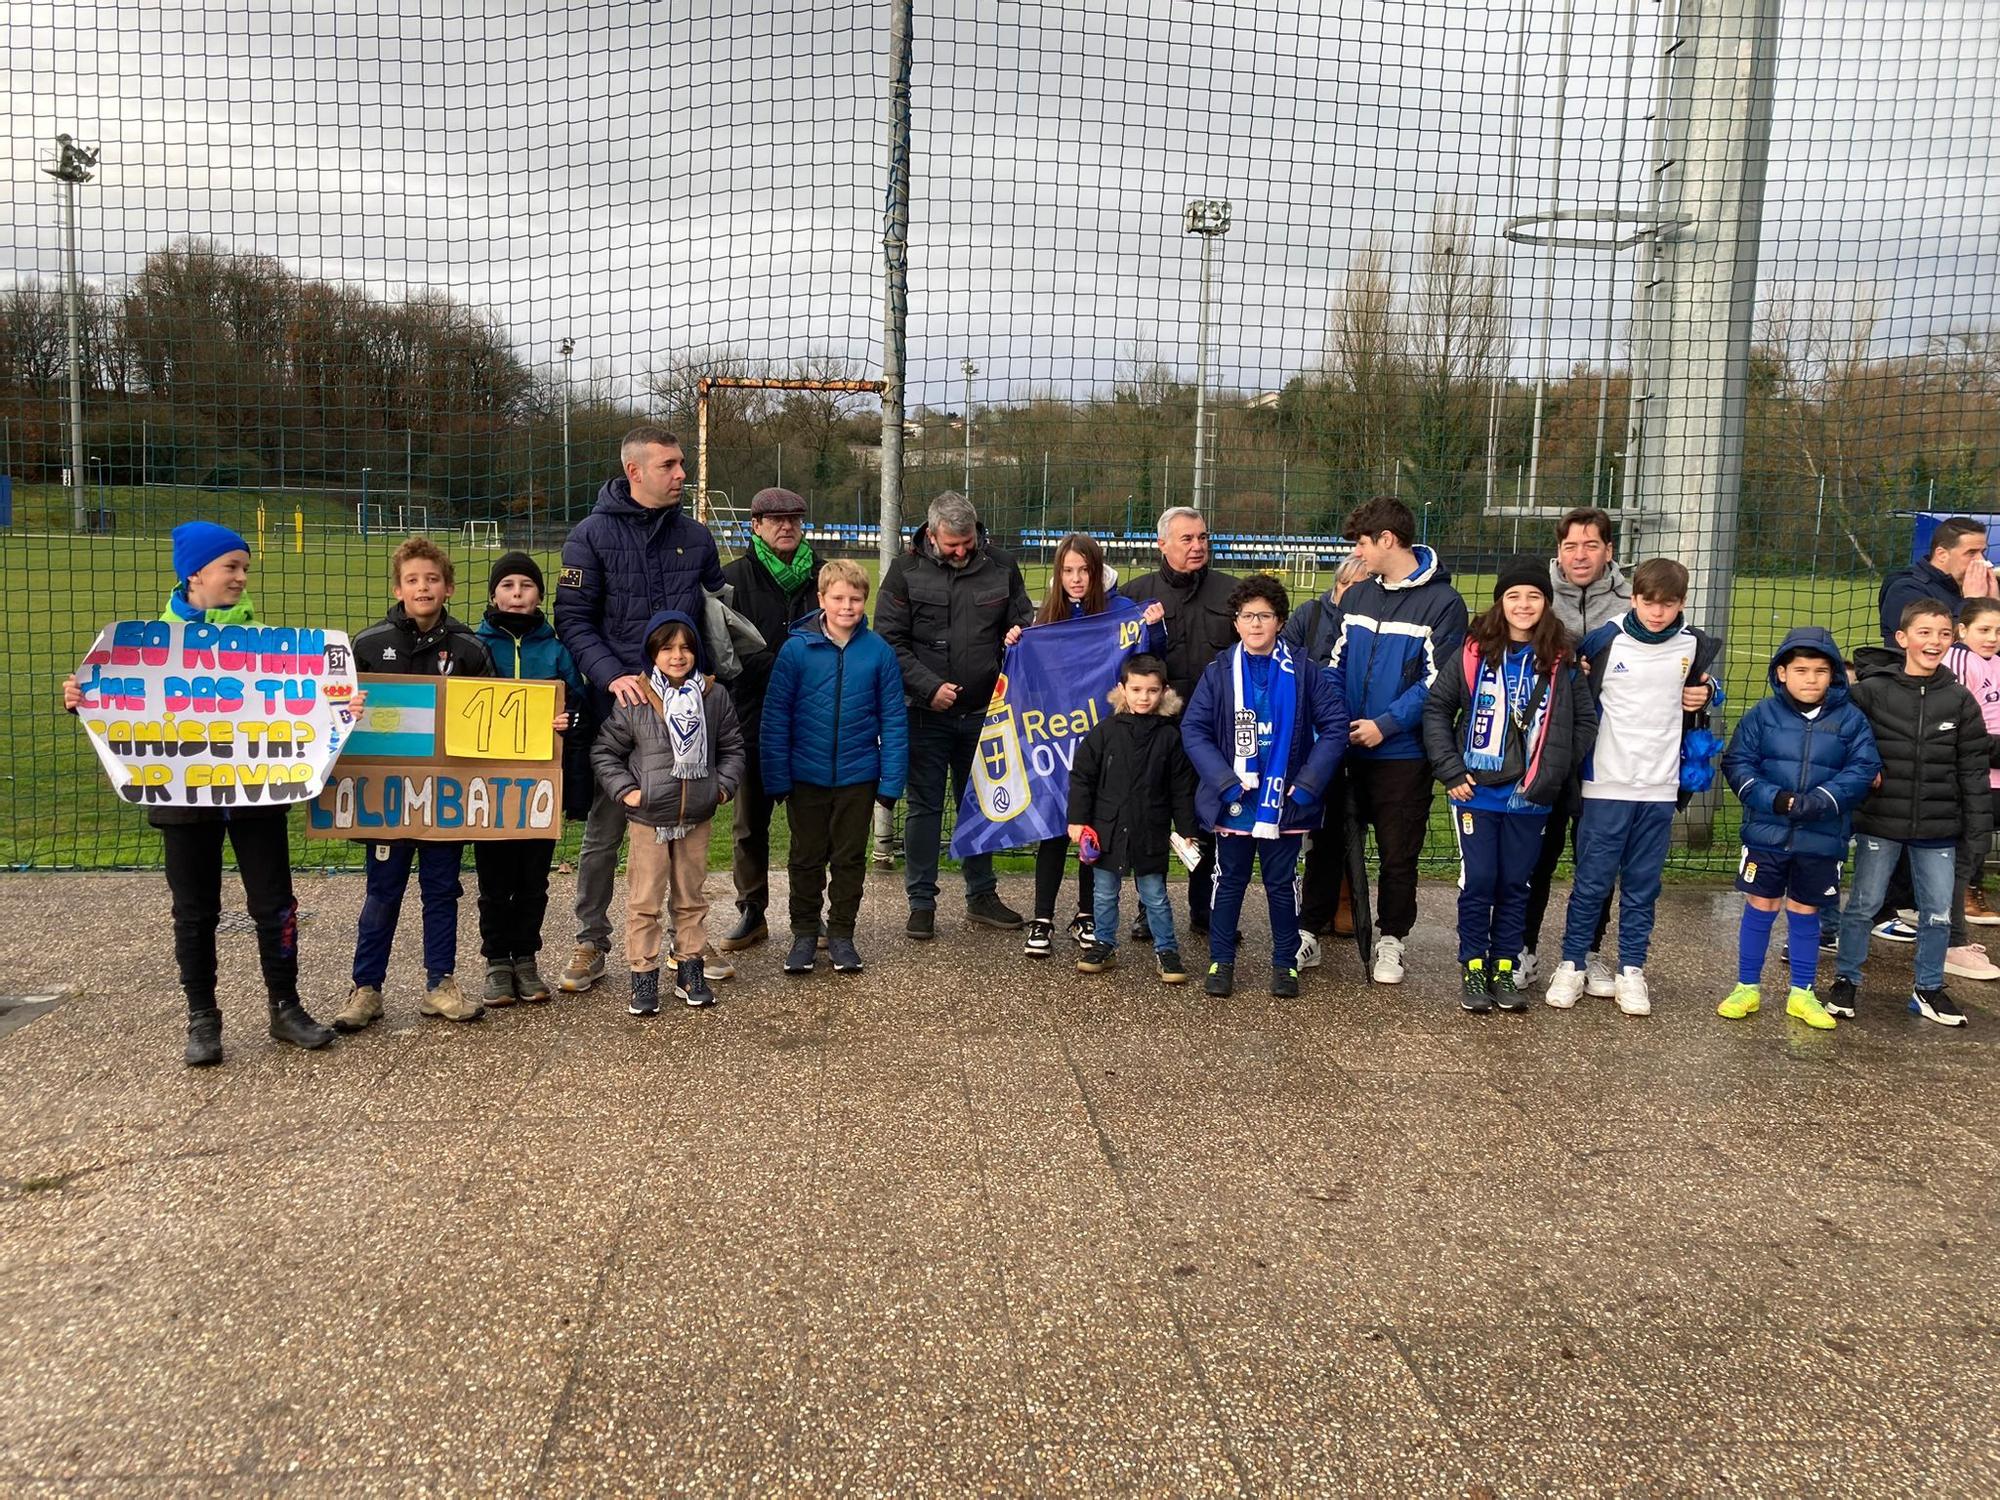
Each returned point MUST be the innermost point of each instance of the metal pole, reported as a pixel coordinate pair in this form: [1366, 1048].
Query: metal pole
[1819, 518]
[895, 321]
[970, 370]
[79, 513]
[364, 504]
[1201, 371]
[1549, 255]
[701, 450]
[1493, 398]
[1597, 496]
[410, 471]
[568, 348]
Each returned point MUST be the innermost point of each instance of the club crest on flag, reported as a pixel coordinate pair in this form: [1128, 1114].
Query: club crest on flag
[999, 772]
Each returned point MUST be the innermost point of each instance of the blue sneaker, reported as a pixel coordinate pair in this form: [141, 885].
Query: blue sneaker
[1895, 930]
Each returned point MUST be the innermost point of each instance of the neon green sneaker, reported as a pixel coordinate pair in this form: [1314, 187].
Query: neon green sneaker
[1740, 1002]
[1803, 1005]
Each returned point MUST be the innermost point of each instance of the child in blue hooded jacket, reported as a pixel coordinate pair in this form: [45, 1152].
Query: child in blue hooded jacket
[1800, 762]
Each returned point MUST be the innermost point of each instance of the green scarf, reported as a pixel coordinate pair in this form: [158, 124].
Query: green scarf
[791, 576]
[1638, 632]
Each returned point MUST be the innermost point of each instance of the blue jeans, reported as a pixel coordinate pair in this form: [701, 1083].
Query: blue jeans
[1931, 872]
[1279, 860]
[1624, 844]
[388, 878]
[1496, 861]
[941, 745]
[1152, 900]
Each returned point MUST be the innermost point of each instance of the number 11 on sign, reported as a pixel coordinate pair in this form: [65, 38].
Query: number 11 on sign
[488, 719]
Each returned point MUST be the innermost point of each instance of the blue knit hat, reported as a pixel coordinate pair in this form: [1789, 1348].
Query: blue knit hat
[199, 543]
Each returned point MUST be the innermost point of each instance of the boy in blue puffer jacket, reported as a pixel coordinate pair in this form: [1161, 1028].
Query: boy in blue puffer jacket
[514, 873]
[1800, 761]
[834, 742]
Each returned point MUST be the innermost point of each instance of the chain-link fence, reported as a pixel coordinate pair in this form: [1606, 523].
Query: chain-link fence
[335, 276]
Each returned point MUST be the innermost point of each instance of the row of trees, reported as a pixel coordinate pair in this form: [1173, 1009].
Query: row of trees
[225, 368]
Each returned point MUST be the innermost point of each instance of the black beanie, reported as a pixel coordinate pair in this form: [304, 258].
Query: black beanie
[508, 565]
[1524, 572]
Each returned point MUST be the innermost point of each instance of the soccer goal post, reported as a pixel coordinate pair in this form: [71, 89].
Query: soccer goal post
[482, 534]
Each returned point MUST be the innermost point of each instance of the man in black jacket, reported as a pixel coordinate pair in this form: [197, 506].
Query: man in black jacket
[1955, 570]
[1199, 626]
[948, 607]
[773, 586]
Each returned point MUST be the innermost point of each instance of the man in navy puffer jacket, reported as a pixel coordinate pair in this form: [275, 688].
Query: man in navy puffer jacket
[636, 554]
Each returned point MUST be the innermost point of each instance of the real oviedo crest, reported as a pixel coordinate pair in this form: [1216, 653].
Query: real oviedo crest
[999, 770]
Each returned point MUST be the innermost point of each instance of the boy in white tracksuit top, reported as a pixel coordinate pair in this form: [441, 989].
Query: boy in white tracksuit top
[1649, 672]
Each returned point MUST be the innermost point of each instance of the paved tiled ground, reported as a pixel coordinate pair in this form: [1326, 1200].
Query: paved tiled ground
[970, 1225]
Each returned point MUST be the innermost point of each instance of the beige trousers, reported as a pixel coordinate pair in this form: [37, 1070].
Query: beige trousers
[658, 875]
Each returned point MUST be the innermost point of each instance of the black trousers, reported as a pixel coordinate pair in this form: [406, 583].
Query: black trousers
[829, 836]
[1325, 863]
[1201, 883]
[1394, 798]
[194, 876]
[751, 852]
[513, 895]
[1050, 857]
[1558, 832]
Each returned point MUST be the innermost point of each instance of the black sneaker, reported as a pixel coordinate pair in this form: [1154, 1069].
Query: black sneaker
[1829, 938]
[1840, 1000]
[1096, 959]
[645, 999]
[990, 911]
[1476, 987]
[1507, 990]
[1221, 981]
[804, 953]
[1082, 929]
[846, 957]
[1142, 930]
[1038, 943]
[691, 985]
[1285, 983]
[1172, 970]
[1935, 1005]
[922, 926]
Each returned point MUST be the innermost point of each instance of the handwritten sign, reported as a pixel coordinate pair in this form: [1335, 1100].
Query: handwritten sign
[448, 758]
[196, 715]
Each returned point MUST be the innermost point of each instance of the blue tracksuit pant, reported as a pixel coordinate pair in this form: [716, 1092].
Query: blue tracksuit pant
[1278, 860]
[1623, 844]
[1497, 852]
[388, 878]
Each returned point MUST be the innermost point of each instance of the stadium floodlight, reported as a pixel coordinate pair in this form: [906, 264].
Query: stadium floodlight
[73, 164]
[1208, 218]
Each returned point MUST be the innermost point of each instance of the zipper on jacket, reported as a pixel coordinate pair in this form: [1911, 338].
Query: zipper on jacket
[839, 679]
[1805, 772]
[1916, 801]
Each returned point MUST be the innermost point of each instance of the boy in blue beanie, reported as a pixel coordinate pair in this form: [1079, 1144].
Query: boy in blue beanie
[211, 585]
[1800, 762]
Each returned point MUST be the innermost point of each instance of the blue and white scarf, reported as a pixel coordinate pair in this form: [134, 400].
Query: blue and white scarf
[687, 735]
[1500, 700]
[1267, 776]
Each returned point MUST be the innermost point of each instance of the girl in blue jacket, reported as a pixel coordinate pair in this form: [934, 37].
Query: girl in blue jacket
[1800, 762]
[834, 742]
[1265, 732]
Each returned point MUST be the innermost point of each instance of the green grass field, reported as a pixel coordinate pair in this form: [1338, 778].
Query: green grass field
[60, 811]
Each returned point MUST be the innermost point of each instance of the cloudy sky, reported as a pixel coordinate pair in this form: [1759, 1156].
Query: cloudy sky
[656, 179]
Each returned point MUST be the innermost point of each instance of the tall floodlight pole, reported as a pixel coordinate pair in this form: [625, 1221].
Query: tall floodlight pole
[1209, 218]
[970, 370]
[73, 165]
[568, 348]
[895, 321]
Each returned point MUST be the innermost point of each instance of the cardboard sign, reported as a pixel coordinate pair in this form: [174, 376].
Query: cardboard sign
[196, 715]
[448, 758]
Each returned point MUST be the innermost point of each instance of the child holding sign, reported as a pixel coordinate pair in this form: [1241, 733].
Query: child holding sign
[672, 759]
[514, 873]
[418, 636]
[212, 564]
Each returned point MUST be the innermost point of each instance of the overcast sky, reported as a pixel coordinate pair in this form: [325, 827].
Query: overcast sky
[657, 179]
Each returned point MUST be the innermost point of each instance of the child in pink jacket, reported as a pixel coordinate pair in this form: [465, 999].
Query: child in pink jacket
[1975, 662]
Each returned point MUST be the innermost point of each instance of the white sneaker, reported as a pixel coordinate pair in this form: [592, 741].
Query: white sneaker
[1599, 978]
[1310, 956]
[1969, 961]
[1630, 989]
[1565, 986]
[1527, 969]
[1388, 960]
[1895, 930]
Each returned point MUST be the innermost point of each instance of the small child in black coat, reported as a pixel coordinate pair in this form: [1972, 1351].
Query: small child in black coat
[1131, 788]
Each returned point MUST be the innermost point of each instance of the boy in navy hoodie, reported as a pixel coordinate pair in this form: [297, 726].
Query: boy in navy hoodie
[1800, 762]
[1395, 628]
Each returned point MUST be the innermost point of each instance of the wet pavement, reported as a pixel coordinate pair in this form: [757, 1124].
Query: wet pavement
[971, 1224]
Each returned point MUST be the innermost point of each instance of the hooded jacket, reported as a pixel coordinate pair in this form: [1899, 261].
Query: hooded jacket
[1569, 729]
[1199, 625]
[1393, 637]
[834, 715]
[1935, 754]
[1905, 587]
[1133, 783]
[1827, 762]
[947, 624]
[450, 648]
[622, 564]
[633, 749]
[1583, 609]
[526, 646]
[1319, 738]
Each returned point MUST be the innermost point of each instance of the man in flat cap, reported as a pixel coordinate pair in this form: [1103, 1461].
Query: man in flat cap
[773, 581]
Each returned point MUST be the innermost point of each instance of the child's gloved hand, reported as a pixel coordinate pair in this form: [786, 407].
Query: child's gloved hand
[1783, 803]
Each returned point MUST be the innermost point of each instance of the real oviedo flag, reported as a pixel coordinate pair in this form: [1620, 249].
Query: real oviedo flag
[1055, 683]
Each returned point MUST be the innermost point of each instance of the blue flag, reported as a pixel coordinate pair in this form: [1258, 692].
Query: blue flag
[1055, 684]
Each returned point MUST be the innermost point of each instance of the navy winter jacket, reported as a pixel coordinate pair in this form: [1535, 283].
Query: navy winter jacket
[1828, 763]
[1905, 587]
[1392, 638]
[621, 565]
[1319, 738]
[834, 715]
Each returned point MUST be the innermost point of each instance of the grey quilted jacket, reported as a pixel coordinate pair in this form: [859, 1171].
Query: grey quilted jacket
[632, 750]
